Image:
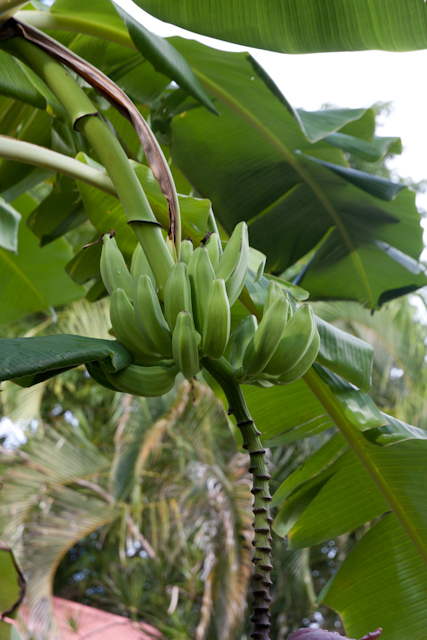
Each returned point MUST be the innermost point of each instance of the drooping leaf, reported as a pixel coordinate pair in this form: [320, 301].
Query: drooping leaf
[369, 151]
[291, 27]
[358, 408]
[33, 358]
[34, 280]
[165, 59]
[320, 124]
[346, 355]
[395, 431]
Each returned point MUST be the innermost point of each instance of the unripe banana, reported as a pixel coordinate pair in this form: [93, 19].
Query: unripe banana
[144, 381]
[139, 266]
[304, 364]
[150, 319]
[114, 271]
[185, 345]
[186, 250]
[216, 328]
[177, 293]
[275, 291]
[294, 342]
[98, 374]
[264, 343]
[126, 329]
[233, 264]
[242, 335]
[200, 274]
[212, 246]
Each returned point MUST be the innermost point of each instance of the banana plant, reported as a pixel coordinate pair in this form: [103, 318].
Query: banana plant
[285, 173]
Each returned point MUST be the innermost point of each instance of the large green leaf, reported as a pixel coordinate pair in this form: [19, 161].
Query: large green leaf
[36, 359]
[302, 27]
[248, 162]
[347, 496]
[34, 280]
[382, 583]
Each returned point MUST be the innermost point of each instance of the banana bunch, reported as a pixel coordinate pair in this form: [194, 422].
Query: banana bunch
[171, 335]
[281, 348]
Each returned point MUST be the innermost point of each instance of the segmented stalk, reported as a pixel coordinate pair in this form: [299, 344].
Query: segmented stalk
[261, 492]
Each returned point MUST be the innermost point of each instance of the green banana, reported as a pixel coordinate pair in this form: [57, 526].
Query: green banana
[177, 293]
[98, 374]
[213, 248]
[144, 381]
[114, 271]
[149, 317]
[139, 265]
[242, 335]
[264, 343]
[274, 291]
[233, 264]
[126, 329]
[216, 328]
[185, 345]
[186, 250]
[295, 341]
[201, 275]
[304, 364]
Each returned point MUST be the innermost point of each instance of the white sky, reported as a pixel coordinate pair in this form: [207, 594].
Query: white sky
[349, 79]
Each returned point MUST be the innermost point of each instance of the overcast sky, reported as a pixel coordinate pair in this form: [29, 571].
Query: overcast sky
[350, 79]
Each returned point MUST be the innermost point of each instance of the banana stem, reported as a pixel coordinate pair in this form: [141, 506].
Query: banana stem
[86, 119]
[261, 492]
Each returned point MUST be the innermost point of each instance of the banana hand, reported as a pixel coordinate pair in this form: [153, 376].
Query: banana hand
[295, 341]
[304, 364]
[268, 335]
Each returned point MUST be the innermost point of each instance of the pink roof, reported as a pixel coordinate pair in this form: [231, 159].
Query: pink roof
[79, 622]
